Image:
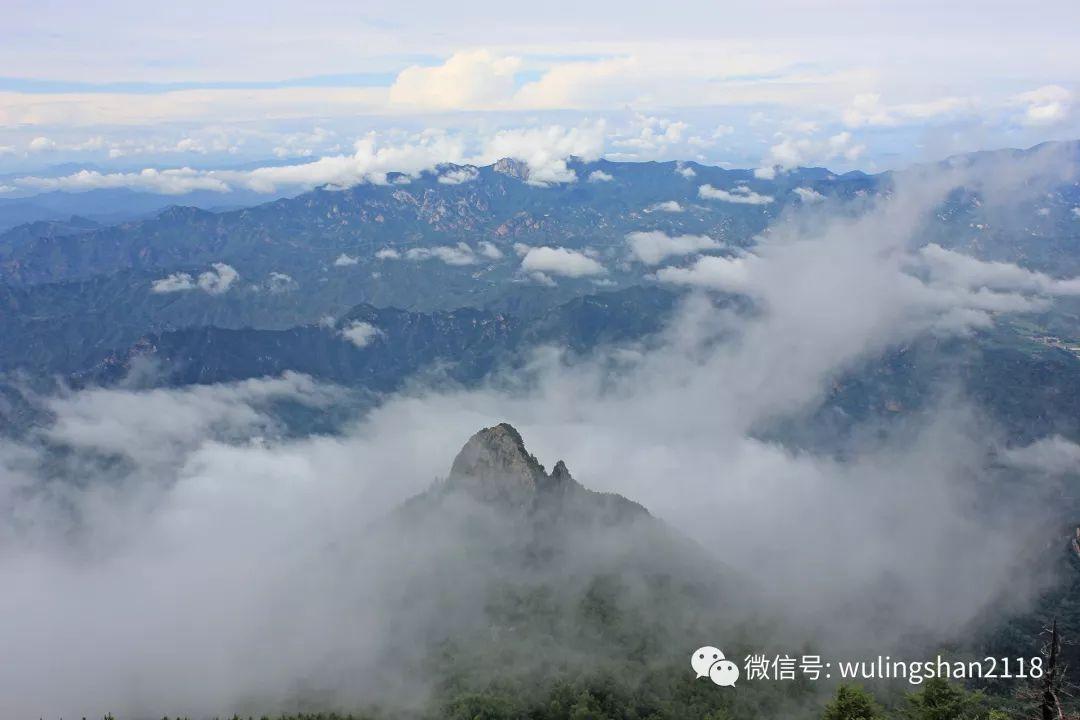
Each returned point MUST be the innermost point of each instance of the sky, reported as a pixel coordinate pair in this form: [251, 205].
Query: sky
[122, 88]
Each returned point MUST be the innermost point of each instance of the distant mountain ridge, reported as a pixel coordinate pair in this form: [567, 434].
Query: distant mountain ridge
[497, 205]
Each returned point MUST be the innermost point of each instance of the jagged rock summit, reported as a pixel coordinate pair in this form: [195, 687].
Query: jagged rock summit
[495, 468]
[512, 167]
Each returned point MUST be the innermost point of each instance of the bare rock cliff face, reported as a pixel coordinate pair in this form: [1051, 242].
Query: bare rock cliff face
[495, 468]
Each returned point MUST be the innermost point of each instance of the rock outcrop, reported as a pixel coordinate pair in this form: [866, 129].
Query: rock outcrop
[512, 167]
[495, 468]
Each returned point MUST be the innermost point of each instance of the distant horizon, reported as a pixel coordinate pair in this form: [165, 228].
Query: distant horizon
[70, 170]
[786, 83]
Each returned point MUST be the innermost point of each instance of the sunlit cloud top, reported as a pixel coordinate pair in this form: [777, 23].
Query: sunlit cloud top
[128, 88]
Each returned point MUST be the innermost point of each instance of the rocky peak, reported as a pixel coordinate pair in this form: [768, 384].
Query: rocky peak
[514, 168]
[494, 466]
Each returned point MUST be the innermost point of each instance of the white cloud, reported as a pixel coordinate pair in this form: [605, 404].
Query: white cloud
[215, 281]
[218, 280]
[600, 176]
[279, 282]
[795, 152]
[866, 109]
[166, 182]
[670, 206]
[41, 144]
[1045, 105]
[652, 247]
[808, 195]
[719, 273]
[300, 144]
[740, 194]
[541, 279]
[586, 84]
[467, 80]
[460, 254]
[360, 333]
[344, 260]
[177, 282]
[191, 106]
[370, 162]
[560, 261]
[546, 149]
[1054, 455]
[685, 170]
[650, 135]
[458, 176]
[489, 250]
[388, 254]
[947, 266]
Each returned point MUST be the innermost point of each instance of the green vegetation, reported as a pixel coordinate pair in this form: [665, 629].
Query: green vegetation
[852, 702]
[675, 695]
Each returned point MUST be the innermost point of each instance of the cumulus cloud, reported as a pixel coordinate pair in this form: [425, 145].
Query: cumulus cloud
[718, 273]
[653, 247]
[489, 250]
[41, 144]
[685, 170]
[458, 176]
[560, 261]
[466, 80]
[344, 260]
[584, 84]
[649, 134]
[670, 206]
[808, 195]
[360, 333]
[177, 282]
[460, 254]
[218, 279]
[1045, 105]
[279, 282]
[546, 149]
[600, 176]
[215, 281]
[740, 194]
[795, 152]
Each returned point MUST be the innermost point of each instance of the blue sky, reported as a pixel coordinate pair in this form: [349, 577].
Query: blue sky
[129, 89]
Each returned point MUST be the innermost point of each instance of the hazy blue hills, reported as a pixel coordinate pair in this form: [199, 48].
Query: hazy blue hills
[306, 234]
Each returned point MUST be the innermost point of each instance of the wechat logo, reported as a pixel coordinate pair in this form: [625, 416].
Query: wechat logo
[710, 662]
